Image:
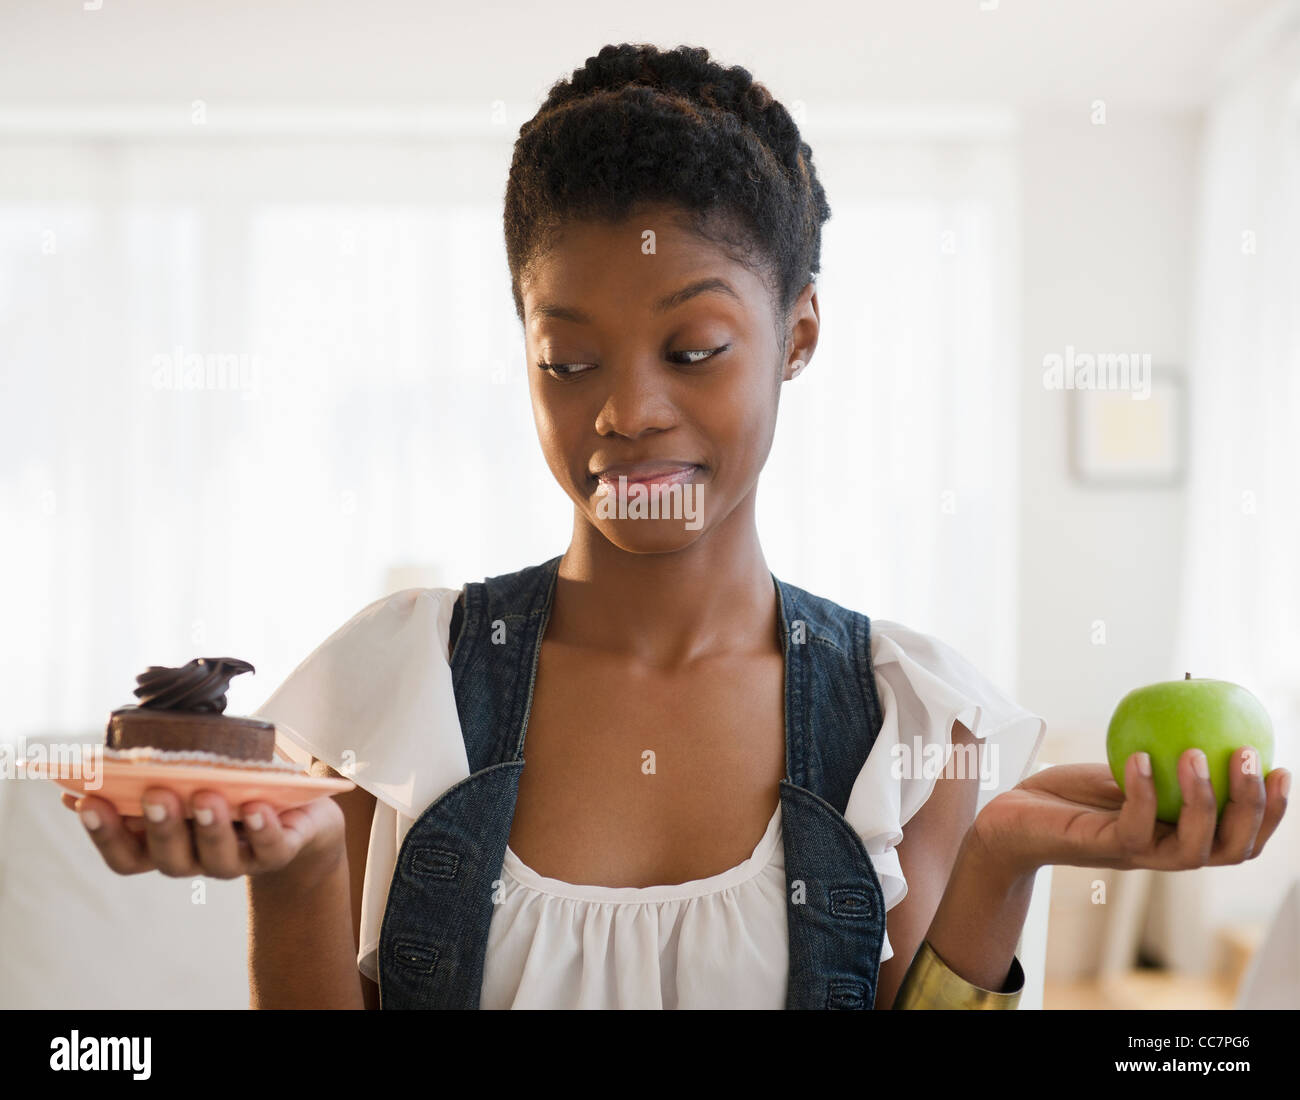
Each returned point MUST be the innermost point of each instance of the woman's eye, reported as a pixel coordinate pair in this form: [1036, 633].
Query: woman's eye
[688, 358]
[701, 355]
[563, 370]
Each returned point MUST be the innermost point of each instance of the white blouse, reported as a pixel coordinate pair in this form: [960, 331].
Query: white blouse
[376, 697]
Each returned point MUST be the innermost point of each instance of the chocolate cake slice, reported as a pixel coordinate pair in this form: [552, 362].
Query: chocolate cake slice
[182, 709]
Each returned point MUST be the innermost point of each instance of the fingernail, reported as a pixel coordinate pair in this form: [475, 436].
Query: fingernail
[1286, 785]
[90, 819]
[1144, 763]
[203, 815]
[1201, 765]
[154, 812]
[254, 820]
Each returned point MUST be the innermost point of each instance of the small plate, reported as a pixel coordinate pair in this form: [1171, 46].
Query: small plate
[125, 781]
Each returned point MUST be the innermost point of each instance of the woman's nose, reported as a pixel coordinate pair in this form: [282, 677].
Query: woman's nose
[635, 402]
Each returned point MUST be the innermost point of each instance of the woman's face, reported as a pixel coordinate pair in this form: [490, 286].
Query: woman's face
[666, 367]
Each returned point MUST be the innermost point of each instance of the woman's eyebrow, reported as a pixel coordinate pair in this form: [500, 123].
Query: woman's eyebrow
[691, 290]
[667, 302]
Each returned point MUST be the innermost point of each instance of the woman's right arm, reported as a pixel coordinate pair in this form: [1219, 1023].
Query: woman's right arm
[300, 952]
[304, 922]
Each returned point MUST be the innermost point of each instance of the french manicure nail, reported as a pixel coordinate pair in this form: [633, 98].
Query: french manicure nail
[90, 819]
[1144, 763]
[254, 820]
[203, 815]
[154, 812]
[1201, 765]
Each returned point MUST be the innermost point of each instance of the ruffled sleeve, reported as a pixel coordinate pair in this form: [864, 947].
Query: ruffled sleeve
[377, 696]
[375, 701]
[924, 687]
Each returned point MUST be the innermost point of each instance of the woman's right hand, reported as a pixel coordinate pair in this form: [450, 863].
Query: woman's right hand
[305, 841]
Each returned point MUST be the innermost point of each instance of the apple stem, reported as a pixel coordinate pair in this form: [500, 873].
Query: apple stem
[1187, 675]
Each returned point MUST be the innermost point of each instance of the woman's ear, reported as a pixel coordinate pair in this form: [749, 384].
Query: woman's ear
[804, 328]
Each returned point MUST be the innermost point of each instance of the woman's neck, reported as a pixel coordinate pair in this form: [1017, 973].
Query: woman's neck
[712, 597]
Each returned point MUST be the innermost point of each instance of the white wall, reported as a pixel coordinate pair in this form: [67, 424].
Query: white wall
[1107, 223]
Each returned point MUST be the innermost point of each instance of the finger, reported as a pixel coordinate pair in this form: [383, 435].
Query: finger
[167, 834]
[1277, 785]
[1137, 817]
[1094, 785]
[1089, 785]
[280, 837]
[70, 800]
[215, 841]
[1244, 811]
[120, 850]
[1199, 815]
[270, 844]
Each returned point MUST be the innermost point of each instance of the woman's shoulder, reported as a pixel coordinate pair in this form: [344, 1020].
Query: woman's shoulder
[932, 667]
[376, 698]
[890, 642]
[927, 685]
[898, 643]
[842, 625]
[403, 602]
[406, 613]
[366, 638]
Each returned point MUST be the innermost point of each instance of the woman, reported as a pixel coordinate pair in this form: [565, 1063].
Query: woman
[663, 227]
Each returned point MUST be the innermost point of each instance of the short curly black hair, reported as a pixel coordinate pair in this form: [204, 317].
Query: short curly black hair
[637, 124]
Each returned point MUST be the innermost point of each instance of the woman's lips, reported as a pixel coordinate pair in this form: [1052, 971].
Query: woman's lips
[657, 476]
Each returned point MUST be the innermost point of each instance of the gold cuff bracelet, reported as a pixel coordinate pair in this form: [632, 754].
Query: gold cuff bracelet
[930, 984]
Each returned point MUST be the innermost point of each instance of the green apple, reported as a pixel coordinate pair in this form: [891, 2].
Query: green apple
[1167, 719]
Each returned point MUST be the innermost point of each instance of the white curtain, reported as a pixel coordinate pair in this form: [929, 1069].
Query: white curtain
[892, 484]
[1241, 594]
[251, 386]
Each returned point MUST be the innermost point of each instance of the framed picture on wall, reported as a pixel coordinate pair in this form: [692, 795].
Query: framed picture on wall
[1130, 437]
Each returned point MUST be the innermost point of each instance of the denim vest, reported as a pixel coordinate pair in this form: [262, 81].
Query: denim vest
[433, 939]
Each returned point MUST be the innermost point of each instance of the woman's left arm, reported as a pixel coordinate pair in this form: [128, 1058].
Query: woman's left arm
[950, 892]
[1074, 815]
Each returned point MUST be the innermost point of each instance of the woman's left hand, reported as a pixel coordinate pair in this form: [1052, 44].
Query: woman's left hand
[1076, 814]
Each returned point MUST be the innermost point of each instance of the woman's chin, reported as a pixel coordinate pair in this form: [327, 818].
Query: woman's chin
[648, 536]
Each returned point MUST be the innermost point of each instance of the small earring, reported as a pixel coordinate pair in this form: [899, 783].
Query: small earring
[796, 368]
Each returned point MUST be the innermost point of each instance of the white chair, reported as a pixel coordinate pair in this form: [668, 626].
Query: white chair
[1273, 980]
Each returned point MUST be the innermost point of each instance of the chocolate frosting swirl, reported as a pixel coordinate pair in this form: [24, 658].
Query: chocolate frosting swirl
[198, 686]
